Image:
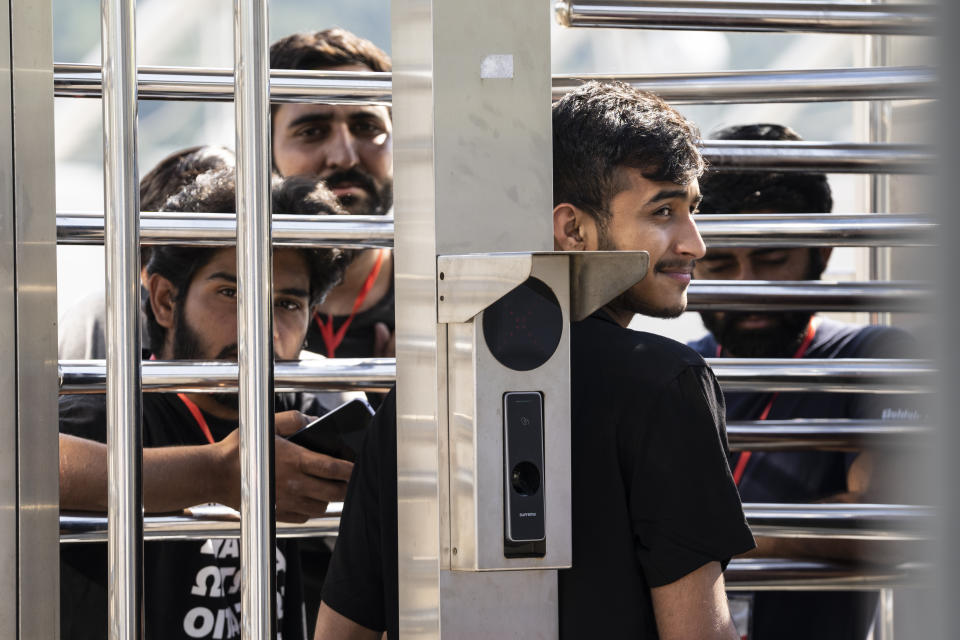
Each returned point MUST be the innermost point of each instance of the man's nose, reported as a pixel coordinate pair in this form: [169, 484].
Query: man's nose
[689, 242]
[341, 152]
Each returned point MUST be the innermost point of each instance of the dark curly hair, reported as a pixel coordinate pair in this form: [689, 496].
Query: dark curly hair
[215, 192]
[325, 49]
[601, 127]
[754, 191]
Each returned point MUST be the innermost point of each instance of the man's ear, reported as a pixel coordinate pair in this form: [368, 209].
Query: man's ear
[573, 229]
[163, 296]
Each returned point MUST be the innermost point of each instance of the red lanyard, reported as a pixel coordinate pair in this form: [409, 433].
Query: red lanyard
[197, 415]
[331, 338]
[744, 456]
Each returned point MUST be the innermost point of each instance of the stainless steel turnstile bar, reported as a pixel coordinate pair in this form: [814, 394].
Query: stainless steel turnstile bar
[216, 85]
[90, 527]
[838, 521]
[774, 574]
[821, 157]
[348, 87]
[255, 320]
[356, 374]
[826, 435]
[817, 230]
[741, 87]
[741, 230]
[824, 375]
[217, 230]
[727, 15]
[734, 374]
[124, 413]
[812, 295]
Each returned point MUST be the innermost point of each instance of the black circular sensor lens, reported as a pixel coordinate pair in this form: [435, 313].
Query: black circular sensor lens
[522, 329]
[525, 478]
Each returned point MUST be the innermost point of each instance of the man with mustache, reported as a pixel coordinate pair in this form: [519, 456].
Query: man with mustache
[191, 444]
[349, 147]
[796, 476]
[655, 513]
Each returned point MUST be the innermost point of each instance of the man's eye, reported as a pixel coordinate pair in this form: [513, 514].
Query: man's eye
[663, 212]
[367, 130]
[715, 267]
[309, 132]
[290, 305]
[774, 260]
[229, 292]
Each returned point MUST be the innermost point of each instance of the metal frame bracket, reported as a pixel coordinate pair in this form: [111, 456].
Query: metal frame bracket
[468, 284]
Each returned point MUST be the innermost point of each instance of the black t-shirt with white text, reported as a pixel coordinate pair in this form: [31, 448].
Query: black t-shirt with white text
[191, 588]
[653, 497]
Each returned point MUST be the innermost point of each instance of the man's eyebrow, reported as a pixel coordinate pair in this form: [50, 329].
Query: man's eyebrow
[223, 275]
[295, 292]
[667, 194]
[310, 118]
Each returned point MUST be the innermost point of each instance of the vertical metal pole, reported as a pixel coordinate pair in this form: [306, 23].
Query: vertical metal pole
[880, 114]
[27, 39]
[883, 627]
[255, 319]
[122, 238]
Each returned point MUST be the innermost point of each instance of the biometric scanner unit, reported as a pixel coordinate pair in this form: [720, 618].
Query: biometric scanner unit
[508, 370]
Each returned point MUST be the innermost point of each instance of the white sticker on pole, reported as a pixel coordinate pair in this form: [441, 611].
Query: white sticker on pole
[497, 65]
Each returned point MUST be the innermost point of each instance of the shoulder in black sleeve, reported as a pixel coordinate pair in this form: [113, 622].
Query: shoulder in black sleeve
[361, 582]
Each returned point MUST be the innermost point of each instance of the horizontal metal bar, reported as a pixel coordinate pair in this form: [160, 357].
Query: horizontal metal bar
[216, 85]
[726, 15]
[813, 85]
[817, 230]
[822, 157]
[842, 375]
[214, 522]
[840, 521]
[377, 374]
[837, 521]
[743, 230]
[359, 374]
[810, 295]
[825, 435]
[213, 230]
[742, 87]
[773, 574]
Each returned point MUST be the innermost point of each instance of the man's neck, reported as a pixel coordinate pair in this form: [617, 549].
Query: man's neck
[621, 316]
[209, 405]
[340, 301]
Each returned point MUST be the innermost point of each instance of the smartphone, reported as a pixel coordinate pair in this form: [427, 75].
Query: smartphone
[338, 433]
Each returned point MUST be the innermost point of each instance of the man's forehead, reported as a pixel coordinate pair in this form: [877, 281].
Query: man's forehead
[634, 179]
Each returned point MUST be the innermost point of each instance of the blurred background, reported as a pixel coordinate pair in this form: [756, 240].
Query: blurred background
[169, 35]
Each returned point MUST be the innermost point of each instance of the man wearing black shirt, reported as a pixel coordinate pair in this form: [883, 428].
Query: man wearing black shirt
[655, 512]
[192, 589]
[796, 476]
[350, 148]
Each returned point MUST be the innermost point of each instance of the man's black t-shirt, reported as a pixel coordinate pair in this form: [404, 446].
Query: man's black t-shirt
[648, 453]
[358, 341]
[811, 476]
[191, 588]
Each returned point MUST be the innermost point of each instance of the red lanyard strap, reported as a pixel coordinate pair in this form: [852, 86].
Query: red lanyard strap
[331, 338]
[197, 415]
[744, 456]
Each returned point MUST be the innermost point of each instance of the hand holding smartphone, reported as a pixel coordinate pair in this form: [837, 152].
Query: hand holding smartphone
[338, 433]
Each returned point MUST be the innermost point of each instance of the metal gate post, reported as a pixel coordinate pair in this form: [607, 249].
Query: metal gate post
[29, 497]
[473, 174]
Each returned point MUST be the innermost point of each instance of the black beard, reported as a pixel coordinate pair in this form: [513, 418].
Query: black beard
[380, 199]
[627, 301]
[187, 346]
[780, 340]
